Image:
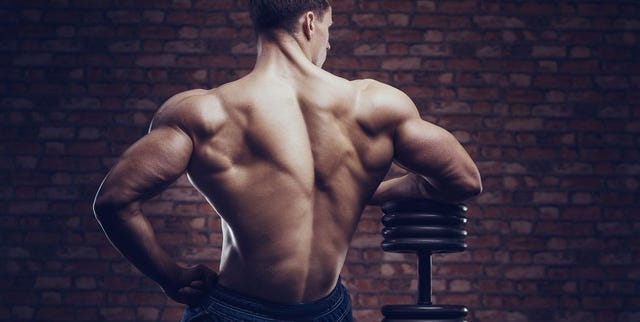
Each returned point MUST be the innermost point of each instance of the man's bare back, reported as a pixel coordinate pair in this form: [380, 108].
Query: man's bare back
[289, 156]
[294, 165]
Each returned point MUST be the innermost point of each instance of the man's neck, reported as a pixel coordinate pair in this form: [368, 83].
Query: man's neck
[283, 53]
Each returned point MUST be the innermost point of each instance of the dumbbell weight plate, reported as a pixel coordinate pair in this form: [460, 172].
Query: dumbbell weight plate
[422, 219]
[423, 231]
[428, 312]
[407, 205]
[416, 245]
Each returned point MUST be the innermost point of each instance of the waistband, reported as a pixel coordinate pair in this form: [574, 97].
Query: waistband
[226, 296]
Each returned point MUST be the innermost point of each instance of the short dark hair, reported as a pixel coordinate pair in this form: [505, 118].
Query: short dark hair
[282, 14]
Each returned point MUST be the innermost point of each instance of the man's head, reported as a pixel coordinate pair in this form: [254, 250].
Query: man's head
[310, 17]
[283, 14]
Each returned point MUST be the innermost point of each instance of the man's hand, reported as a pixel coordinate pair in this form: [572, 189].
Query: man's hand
[190, 284]
[407, 186]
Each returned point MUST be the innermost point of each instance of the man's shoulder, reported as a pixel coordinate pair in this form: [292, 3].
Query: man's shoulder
[188, 101]
[379, 91]
[189, 109]
[381, 96]
[366, 83]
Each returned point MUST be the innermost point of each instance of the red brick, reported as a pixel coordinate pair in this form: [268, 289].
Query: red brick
[459, 7]
[369, 20]
[54, 314]
[430, 21]
[120, 314]
[430, 50]
[156, 60]
[477, 93]
[368, 49]
[367, 315]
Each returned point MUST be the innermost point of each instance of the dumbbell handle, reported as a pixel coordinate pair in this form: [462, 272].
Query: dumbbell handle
[424, 278]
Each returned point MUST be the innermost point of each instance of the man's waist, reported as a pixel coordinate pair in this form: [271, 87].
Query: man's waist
[226, 295]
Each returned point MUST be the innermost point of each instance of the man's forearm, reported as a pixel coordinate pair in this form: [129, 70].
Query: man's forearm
[404, 187]
[413, 186]
[131, 233]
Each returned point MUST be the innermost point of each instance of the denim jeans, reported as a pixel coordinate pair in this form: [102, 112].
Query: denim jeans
[224, 305]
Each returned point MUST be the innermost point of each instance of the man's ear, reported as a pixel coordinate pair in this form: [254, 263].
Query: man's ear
[308, 25]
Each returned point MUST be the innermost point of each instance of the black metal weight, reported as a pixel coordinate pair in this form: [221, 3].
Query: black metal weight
[423, 227]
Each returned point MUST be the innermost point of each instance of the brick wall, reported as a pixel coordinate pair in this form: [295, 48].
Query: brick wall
[544, 95]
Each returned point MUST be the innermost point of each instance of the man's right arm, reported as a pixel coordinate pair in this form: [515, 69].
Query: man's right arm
[438, 166]
[145, 169]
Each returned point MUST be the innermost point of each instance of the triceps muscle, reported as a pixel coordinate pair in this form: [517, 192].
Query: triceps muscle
[147, 167]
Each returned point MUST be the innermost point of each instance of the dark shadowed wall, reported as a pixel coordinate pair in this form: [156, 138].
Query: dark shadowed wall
[544, 95]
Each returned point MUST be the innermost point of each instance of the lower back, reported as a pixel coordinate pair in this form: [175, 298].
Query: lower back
[290, 249]
[286, 265]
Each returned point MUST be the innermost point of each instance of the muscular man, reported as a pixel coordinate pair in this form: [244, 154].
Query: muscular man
[289, 156]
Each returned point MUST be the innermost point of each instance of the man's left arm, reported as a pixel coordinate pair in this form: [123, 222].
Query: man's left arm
[146, 168]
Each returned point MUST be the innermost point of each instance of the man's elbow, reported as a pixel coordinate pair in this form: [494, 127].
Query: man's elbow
[453, 191]
[102, 207]
[461, 190]
[107, 206]
[474, 187]
[470, 187]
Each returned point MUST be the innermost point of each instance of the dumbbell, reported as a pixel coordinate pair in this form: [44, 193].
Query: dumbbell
[424, 227]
